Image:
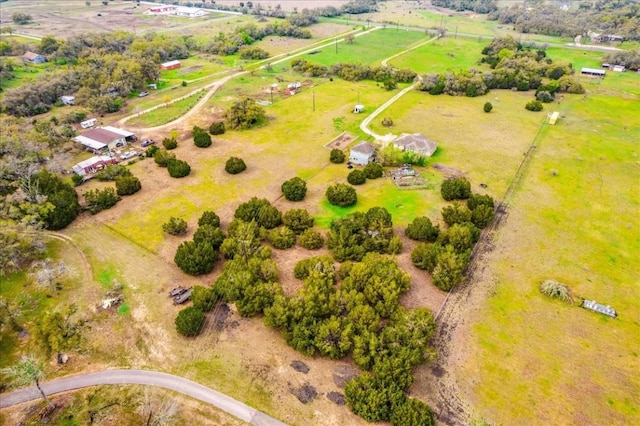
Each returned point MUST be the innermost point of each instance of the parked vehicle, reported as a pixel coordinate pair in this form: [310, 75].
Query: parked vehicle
[143, 94]
[127, 155]
[147, 142]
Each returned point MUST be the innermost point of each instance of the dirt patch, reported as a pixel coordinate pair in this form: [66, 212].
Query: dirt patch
[343, 373]
[220, 315]
[187, 70]
[300, 367]
[342, 141]
[336, 397]
[448, 171]
[305, 393]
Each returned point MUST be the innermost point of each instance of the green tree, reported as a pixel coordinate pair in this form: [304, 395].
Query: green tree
[482, 216]
[209, 218]
[48, 45]
[487, 107]
[449, 267]
[294, 189]
[234, 166]
[170, 143]
[356, 177]
[243, 240]
[28, 370]
[210, 234]
[372, 399]
[298, 220]
[311, 239]
[175, 226]
[244, 114]
[421, 229]
[127, 185]
[162, 157]
[21, 18]
[58, 331]
[534, 105]
[195, 259]
[342, 195]
[202, 139]
[98, 200]
[178, 168]
[282, 238]
[217, 128]
[337, 156]
[424, 256]
[476, 200]
[455, 189]
[373, 171]
[334, 337]
[456, 213]
[203, 298]
[189, 321]
[412, 412]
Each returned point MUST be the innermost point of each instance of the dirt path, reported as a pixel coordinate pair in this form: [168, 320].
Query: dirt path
[149, 378]
[86, 266]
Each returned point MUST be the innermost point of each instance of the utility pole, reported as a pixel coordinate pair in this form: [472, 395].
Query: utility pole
[456, 36]
[336, 45]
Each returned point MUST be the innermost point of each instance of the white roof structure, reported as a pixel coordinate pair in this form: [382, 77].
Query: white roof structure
[592, 71]
[416, 142]
[90, 143]
[595, 306]
[169, 64]
[79, 168]
[124, 133]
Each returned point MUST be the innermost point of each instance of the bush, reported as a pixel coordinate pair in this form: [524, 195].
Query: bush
[170, 143]
[189, 321]
[77, 180]
[387, 122]
[448, 271]
[195, 259]
[544, 96]
[395, 245]
[235, 165]
[294, 189]
[203, 298]
[209, 218]
[482, 216]
[202, 140]
[162, 157]
[178, 168]
[217, 128]
[412, 412]
[476, 200]
[175, 226]
[421, 229]
[456, 213]
[151, 151]
[342, 195]
[337, 156]
[534, 105]
[111, 172]
[488, 107]
[356, 177]
[556, 290]
[455, 189]
[209, 234]
[298, 220]
[311, 239]
[424, 256]
[98, 200]
[282, 238]
[127, 185]
[373, 171]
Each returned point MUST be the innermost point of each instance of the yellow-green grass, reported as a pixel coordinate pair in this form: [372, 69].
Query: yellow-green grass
[24, 74]
[470, 24]
[575, 220]
[445, 54]
[487, 147]
[167, 113]
[194, 68]
[367, 49]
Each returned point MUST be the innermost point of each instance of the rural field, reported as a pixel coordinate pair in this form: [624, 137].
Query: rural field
[570, 203]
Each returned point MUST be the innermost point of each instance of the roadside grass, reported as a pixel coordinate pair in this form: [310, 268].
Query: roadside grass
[574, 220]
[445, 54]
[193, 68]
[167, 113]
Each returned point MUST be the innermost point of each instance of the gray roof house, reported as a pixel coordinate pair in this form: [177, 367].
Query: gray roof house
[362, 154]
[417, 143]
[34, 58]
[99, 139]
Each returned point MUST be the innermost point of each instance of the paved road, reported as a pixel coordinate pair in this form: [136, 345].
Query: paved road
[144, 377]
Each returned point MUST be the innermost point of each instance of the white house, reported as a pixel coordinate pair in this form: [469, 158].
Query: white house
[189, 12]
[417, 143]
[362, 154]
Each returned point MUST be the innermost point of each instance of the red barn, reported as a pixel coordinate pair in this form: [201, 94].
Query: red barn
[171, 65]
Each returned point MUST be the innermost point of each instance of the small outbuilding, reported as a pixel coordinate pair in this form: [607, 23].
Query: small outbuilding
[93, 165]
[362, 154]
[593, 72]
[68, 100]
[553, 117]
[171, 65]
[358, 108]
[34, 58]
[602, 309]
[415, 142]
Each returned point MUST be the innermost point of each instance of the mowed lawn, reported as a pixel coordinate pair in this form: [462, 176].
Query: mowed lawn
[533, 360]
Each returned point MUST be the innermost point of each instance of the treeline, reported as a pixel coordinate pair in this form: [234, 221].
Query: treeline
[354, 72]
[629, 59]
[513, 67]
[619, 17]
[477, 6]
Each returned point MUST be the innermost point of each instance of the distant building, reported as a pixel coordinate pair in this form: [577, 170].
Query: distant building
[161, 10]
[171, 65]
[34, 58]
[553, 117]
[68, 100]
[358, 108]
[593, 72]
[189, 12]
[415, 142]
[362, 154]
[93, 165]
[602, 309]
[618, 68]
[102, 139]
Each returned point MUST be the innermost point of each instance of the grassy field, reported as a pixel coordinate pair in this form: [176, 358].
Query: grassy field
[167, 113]
[531, 359]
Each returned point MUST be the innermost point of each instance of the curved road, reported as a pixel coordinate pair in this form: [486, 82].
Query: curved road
[144, 377]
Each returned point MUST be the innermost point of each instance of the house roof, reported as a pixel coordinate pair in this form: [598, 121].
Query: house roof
[364, 148]
[91, 161]
[30, 56]
[90, 143]
[101, 134]
[170, 64]
[121, 132]
[592, 71]
[416, 142]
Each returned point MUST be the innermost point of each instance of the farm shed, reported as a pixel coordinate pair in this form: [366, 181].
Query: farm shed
[161, 10]
[362, 154]
[358, 108]
[68, 100]
[415, 142]
[189, 12]
[596, 307]
[553, 117]
[93, 164]
[128, 136]
[99, 140]
[171, 65]
[34, 58]
[592, 72]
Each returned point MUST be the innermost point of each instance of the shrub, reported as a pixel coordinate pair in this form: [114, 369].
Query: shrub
[395, 245]
[202, 139]
[77, 180]
[235, 165]
[162, 157]
[203, 298]
[217, 128]
[412, 412]
[195, 259]
[189, 321]
[342, 195]
[356, 177]
[556, 290]
[482, 216]
[387, 122]
[476, 200]
[170, 143]
[209, 234]
[424, 256]
[544, 96]
[209, 218]
[298, 220]
[175, 226]
[421, 229]
[534, 105]
[178, 168]
[311, 239]
[456, 213]
[269, 217]
[151, 151]
[111, 172]
[282, 238]
[488, 107]
[337, 156]
[294, 189]
[448, 270]
[455, 189]
[98, 200]
[127, 185]
[373, 171]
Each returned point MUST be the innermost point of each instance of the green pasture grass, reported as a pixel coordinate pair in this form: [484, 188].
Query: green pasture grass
[574, 220]
[25, 74]
[167, 113]
[470, 24]
[445, 54]
[367, 49]
[193, 68]
[578, 58]
[19, 39]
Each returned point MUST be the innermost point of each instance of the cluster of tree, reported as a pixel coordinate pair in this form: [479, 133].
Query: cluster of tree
[175, 167]
[354, 72]
[617, 17]
[392, 156]
[294, 189]
[337, 156]
[477, 6]
[355, 235]
[21, 18]
[198, 256]
[627, 58]
[341, 194]
[513, 68]
[126, 182]
[244, 114]
[370, 171]
[201, 138]
[97, 200]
